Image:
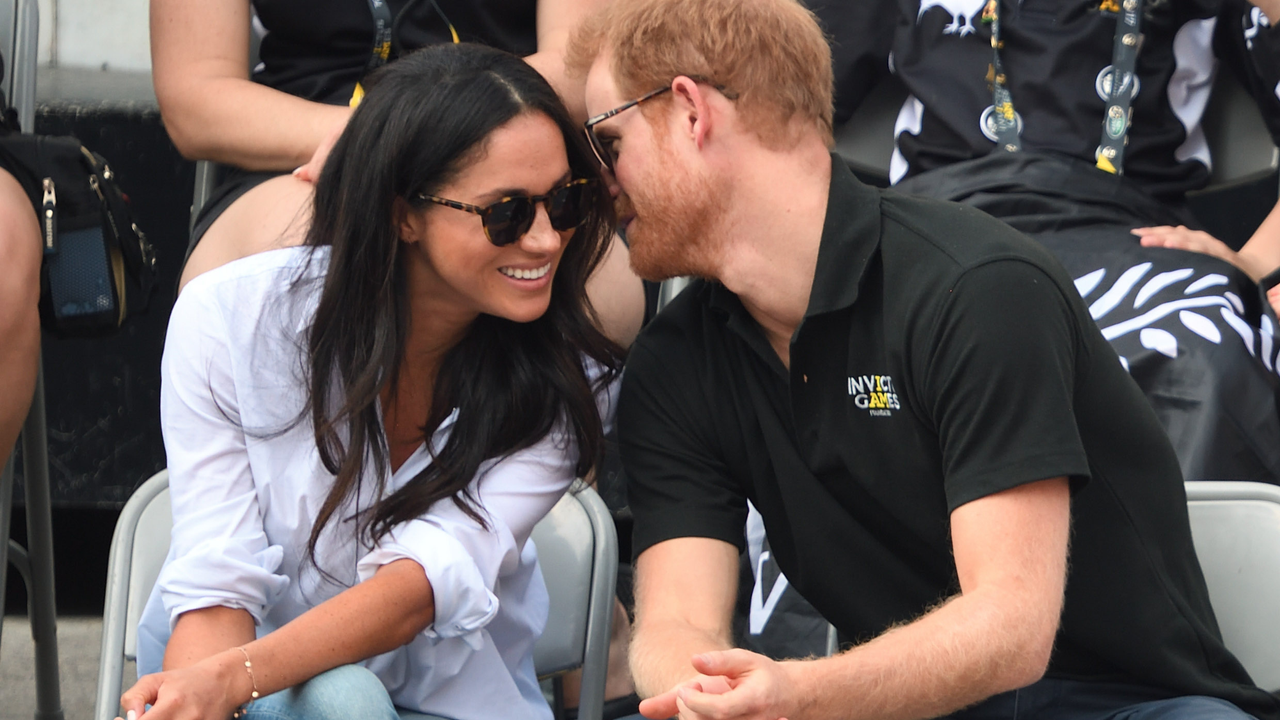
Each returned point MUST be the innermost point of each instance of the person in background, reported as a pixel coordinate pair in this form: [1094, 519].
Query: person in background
[274, 123]
[362, 431]
[1018, 131]
[19, 314]
[949, 459]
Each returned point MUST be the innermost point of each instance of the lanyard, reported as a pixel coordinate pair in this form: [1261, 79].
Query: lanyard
[1005, 120]
[1118, 115]
[382, 22]
[383, 26]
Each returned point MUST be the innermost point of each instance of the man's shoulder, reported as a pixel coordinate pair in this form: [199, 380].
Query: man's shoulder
[952, 235]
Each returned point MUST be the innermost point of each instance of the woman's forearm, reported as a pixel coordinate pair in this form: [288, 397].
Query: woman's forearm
[373, 617]
[200, 634]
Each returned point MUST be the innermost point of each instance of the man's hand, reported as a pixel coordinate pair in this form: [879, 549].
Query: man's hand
[731, 685]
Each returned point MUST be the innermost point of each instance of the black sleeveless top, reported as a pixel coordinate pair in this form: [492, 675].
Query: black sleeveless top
[319, 49]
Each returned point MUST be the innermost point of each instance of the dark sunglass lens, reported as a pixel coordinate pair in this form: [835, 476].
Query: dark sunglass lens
[508, 220]
[564, 207]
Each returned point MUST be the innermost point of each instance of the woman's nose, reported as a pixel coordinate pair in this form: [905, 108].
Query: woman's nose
[541, 237]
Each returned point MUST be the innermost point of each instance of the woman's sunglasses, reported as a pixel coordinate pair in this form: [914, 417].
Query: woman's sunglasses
[508, 219]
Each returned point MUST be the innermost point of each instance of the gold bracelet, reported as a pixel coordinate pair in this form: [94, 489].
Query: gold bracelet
[248, 667]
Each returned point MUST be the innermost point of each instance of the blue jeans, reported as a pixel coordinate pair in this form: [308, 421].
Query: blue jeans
[343, 693]
[1051, 699]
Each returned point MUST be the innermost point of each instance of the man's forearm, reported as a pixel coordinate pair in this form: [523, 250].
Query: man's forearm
[660, 655]
[960, 653]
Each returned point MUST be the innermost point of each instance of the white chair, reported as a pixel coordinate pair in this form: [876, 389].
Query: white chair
[577, 547]
[1236, 529]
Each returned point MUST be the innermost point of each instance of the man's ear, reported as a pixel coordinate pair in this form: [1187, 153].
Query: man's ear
[410, 224]
[695, 112]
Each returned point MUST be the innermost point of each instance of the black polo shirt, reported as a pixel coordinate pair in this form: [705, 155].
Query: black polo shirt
[943, 357]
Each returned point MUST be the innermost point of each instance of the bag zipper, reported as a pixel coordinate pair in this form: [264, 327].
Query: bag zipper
[48, 208]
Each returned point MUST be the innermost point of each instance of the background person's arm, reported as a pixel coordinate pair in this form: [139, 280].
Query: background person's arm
[1257, 258]
[685, 593]
[556, 20]
[996, 635]
[212, 110]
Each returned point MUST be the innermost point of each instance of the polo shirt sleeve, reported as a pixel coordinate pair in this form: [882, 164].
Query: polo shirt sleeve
[1000, 371]
[677, 486]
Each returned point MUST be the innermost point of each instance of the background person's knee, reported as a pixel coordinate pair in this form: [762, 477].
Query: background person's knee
[20, 250]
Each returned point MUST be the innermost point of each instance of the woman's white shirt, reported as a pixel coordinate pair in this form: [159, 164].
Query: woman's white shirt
[246, 483]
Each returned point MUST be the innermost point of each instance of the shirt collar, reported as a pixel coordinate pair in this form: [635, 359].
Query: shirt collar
[850, 237]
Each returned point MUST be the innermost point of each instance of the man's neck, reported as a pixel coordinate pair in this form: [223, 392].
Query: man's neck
[776, 223]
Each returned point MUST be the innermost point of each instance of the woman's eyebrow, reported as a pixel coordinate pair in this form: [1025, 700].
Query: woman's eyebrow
[499, 193]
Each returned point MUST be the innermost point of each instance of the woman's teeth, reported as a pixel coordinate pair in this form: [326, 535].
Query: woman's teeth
[519, 274]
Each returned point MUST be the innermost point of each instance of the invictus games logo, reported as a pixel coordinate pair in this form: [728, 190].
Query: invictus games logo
[875, 394]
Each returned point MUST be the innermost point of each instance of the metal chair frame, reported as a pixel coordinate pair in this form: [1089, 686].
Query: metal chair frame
[19, 31]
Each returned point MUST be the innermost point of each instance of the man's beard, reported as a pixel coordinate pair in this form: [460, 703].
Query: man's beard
[675, 216]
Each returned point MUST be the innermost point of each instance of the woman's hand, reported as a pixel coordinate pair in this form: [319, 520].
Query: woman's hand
[1184, 238]
[211, 689]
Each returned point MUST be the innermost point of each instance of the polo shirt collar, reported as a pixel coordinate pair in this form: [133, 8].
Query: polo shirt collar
[850, 237]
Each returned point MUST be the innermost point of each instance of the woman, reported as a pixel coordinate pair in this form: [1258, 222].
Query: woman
[362, 432]
[263, 122]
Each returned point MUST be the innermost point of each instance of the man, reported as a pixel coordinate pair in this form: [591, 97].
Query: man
[913, 396]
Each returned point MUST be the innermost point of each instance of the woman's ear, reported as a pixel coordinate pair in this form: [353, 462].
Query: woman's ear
[410, 223]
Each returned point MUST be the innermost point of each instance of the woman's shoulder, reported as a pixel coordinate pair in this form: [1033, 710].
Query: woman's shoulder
[254, 303]
[251, 284]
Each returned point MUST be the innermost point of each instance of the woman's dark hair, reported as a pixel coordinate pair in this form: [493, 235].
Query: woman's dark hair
[422, 119]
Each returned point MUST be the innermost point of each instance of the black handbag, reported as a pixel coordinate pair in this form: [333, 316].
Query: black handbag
[98, 268]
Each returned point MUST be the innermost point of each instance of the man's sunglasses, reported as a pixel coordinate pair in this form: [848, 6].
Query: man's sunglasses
[508, 219]
[604, 153]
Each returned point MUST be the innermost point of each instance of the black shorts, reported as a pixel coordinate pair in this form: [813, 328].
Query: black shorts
[232, 182]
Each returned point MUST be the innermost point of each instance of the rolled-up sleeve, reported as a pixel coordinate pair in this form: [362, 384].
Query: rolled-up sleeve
[219, 553]
[464, 559]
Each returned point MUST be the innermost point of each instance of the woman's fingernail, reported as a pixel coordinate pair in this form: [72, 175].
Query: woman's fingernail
[133, 715]
[295, 174]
